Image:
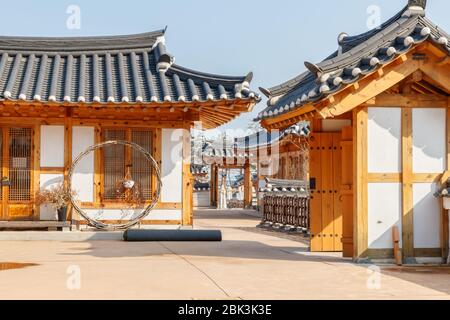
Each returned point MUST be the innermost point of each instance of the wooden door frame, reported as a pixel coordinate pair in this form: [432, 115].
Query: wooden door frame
[34, 170]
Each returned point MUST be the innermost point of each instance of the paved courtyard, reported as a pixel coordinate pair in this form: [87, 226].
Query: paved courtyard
[249, 264]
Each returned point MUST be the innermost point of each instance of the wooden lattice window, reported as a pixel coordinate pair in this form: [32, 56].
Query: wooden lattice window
[117, 160]
[20, 164]
[141, 169]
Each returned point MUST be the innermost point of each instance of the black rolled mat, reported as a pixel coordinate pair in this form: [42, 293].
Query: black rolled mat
[172, 235]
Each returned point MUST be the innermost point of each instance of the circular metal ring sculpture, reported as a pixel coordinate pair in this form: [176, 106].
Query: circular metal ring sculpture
[135, 220]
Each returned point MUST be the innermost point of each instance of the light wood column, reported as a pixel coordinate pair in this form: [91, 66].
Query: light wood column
[212, 190]
[248, 192]
[188, 192]
[68, 141]
[408, 179]
[36, 169]
[360, 208]
[445, 214]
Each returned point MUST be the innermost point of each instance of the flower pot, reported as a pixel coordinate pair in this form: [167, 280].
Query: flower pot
[62, 214]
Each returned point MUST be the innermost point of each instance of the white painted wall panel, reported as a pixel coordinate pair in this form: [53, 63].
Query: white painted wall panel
[201, 198]
[52, 146]
[117, 214]
[429, 147]
[335, 125]
[47, 181]
[83, 178]
[384, 212]
[172, 165]
[427, 213]
[384, 140]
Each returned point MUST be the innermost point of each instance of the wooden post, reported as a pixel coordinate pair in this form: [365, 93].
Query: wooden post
[445, 215]
[248, 192]
[97, 167]
[360, 210]
[187, 177]
[157, 152]
[212, 191]
[407, 198]
[68, 130]
[36, 168]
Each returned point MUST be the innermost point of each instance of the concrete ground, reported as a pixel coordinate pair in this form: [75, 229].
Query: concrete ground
[249, 264]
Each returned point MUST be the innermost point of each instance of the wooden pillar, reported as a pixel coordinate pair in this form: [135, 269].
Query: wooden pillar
[212, 191]
[188, 192]
[248, 190]
[360, 206]
[36, 168]
[68, 130]
[407, 187]
[157, 154]
[445, 215]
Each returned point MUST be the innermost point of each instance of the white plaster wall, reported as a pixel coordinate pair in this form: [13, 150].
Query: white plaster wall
[429, 135]
[384, 140]
[83, 178]
[172, 165]
[117, 214]
[335, 125]
[46, 182]
[384, 212]
[427, 216]
[201, 198]
[52, 146]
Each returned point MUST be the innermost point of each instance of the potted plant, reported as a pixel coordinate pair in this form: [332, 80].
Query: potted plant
[58, 197]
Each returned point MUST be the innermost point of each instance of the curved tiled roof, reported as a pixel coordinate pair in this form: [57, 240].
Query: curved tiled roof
[357, 57]
[114, 69]
[242, 148]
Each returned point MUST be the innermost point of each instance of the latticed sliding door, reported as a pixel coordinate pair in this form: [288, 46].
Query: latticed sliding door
[141, 170]
[17, 160]
[121, 163]
[113, 164]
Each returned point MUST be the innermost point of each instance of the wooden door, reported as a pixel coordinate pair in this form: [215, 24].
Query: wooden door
[17, 172]
[346, 191]
[326, 208]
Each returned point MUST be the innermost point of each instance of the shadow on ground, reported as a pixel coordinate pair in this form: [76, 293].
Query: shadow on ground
[228, 249]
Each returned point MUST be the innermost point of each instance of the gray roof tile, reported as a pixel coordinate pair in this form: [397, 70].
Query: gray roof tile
[116, 69]
[358, 56]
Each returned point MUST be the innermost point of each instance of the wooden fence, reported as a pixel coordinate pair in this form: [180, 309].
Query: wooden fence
[287, 211]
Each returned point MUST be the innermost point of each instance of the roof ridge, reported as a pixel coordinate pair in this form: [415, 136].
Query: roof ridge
[81, 43]
[180, 70]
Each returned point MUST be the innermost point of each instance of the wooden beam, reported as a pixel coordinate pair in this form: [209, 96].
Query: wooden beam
[384, 177]
[408, 179]
[440, 75]
[412, 100]
[360, 183]
[370, 88]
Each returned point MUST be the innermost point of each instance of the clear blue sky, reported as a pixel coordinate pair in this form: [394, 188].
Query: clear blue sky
[272, 38]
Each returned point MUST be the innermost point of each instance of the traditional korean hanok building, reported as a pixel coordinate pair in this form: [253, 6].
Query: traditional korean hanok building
[59, 96]
[379, 109]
